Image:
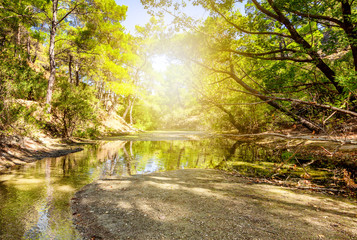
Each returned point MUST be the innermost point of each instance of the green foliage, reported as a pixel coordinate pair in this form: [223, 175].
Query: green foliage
[349, 81]
[25, 82]
[90, 45]
[241, 57]
[147, 114]
[73, 108]
[18, 84]
[304, 50]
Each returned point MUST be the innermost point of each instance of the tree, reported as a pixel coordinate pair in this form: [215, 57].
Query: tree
[89, 39]
[86, 43]
[73, 107]
[281, 37]
[55, 16]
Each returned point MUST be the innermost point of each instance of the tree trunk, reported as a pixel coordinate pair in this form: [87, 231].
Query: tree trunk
[350, 30]
[131, 110]
[36, 51]
[127, 109]
[52, 78]
[231, 118]
[77, 74]
[28, 48]
[70, 68]
[18, 42]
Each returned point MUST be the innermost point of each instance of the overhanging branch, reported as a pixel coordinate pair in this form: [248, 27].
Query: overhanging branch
[259, 55]
[245, 30]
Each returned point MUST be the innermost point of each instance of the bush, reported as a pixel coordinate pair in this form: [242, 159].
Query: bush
[73, 108]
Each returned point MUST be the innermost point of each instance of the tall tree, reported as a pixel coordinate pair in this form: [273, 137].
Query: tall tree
[287, 38]
[67, 8]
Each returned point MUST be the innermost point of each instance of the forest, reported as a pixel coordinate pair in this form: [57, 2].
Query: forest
[205, 119]
[66, 65]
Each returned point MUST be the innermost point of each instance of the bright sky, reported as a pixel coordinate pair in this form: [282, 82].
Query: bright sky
[137, 15]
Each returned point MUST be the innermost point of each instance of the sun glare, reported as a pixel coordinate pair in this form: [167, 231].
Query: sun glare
[160, 63]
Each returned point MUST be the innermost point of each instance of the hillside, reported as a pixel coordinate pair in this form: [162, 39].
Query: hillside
[17, 150]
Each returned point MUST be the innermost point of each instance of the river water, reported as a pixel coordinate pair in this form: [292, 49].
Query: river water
[34, 199]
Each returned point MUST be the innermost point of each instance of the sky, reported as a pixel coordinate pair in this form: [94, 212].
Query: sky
[137, 15]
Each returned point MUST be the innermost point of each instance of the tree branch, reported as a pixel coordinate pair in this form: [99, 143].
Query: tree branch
[263, 54]
[315, 16]
[246, 31]
[329, 73]
[68, 13]
[324, 106]
[265, 11]
[258, 55]
[221, 80]
[19, 15]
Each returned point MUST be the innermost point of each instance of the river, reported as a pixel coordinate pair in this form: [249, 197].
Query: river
[34, 199]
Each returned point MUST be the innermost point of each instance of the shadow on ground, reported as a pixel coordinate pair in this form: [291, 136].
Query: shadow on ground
[207, 204]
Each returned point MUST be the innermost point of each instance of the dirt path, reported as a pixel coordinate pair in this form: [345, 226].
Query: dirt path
[207, 204]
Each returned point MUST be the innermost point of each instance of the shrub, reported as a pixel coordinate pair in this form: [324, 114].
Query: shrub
[73, 108]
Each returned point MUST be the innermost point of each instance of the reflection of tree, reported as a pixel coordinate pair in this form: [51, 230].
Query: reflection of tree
[42, 227]
[113, 161]
[109, 150]
[68, 163]
[198, 158]
[230, 153]
[179, 157]
[128, 159]
[110, 164]
[132, 155]
[110, 154]
[117, 162]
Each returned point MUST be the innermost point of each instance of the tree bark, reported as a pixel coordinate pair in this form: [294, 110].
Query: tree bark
[52, 77]
[28, 48]
[131, 110]
[70, 63]
[127, 109]
[36, 51]
[77, 74]
[18, 42]
[350, 30]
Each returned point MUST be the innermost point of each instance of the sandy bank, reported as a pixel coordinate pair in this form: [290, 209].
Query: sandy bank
[207, 204]
[19, 151]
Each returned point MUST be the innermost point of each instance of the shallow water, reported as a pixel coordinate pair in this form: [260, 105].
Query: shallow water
[34, 200]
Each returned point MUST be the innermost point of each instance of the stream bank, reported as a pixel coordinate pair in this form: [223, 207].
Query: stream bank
[35, 198]
[207, 204]
[18, 151]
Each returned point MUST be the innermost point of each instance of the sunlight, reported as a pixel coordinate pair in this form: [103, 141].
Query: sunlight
[160, 63]
[178, 119]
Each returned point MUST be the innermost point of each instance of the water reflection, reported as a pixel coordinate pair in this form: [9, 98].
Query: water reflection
[35, 199]
[41, 228]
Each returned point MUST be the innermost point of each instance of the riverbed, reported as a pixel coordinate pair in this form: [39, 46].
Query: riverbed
[35, 198]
